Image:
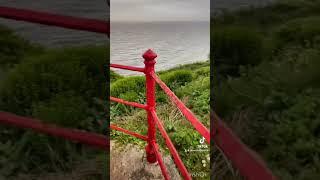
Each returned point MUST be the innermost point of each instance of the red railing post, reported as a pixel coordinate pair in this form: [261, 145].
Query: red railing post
[149, 61]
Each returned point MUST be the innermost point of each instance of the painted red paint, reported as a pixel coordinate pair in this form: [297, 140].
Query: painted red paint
[149, 61]
[88, 138]
[171, 147]
[134, 104]
[184, 110]
[160, 161]
[84, 24]
[249, 164]
[145, 138]
[130, 68]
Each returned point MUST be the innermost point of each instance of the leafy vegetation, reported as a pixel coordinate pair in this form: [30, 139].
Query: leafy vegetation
[272, 103]
[13, 48]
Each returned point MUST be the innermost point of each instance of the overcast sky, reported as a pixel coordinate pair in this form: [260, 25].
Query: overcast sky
[160, 10]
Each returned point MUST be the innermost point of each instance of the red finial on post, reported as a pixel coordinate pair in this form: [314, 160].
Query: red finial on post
[149, 61]
[149, 55]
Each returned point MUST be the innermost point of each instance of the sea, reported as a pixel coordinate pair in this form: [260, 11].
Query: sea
[175, 43]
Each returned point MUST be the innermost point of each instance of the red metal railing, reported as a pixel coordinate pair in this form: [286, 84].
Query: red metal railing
[246, 161]
[92, 139]
[84, 24]
[152, 150]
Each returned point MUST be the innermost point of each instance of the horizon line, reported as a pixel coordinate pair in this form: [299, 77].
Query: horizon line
[160, 21]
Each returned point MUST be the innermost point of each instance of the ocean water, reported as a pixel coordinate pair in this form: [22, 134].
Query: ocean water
[54, 36]
[175, 43]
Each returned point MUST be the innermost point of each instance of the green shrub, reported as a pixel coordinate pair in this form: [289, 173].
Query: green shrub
[198, 93]
[13, 48]
[114, 76]
[290, 74]
[196, 65]
[130, 96]
[135, 84]
[233, 46]
[176, 78]
[275, 13]
[65, 110]
[204, 71]
[133, 88]
[236, 46]
[302, 31]
[38, 78]
[36, 153]
[294, 138]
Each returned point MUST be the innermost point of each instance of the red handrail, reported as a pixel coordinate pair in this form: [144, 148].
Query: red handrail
[130, 68]
[85, 24]
[160, 161]
[171, 147]
[134, 104]
[184, 110]
[114, 127]
[92, 139]
[239, 153]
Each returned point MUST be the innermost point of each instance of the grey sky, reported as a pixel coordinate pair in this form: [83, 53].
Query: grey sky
[160, 10]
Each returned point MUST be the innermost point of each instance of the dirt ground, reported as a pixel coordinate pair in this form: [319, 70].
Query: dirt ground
[130, 163]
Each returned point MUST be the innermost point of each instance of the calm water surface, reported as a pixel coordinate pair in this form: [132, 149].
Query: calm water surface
[175, 43]
[59, 37]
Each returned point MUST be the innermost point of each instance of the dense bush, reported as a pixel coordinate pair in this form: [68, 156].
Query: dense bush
[289, 74]
[234, 46]
[34, 153]
[204, 71]
[114, 76]
[302, 31]
[39, 78]
[295, 138]
[176, 78]
[13, 48]
[133, 87]
[266, 17]
[134, 84]
[65, 110]
[198, 93]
